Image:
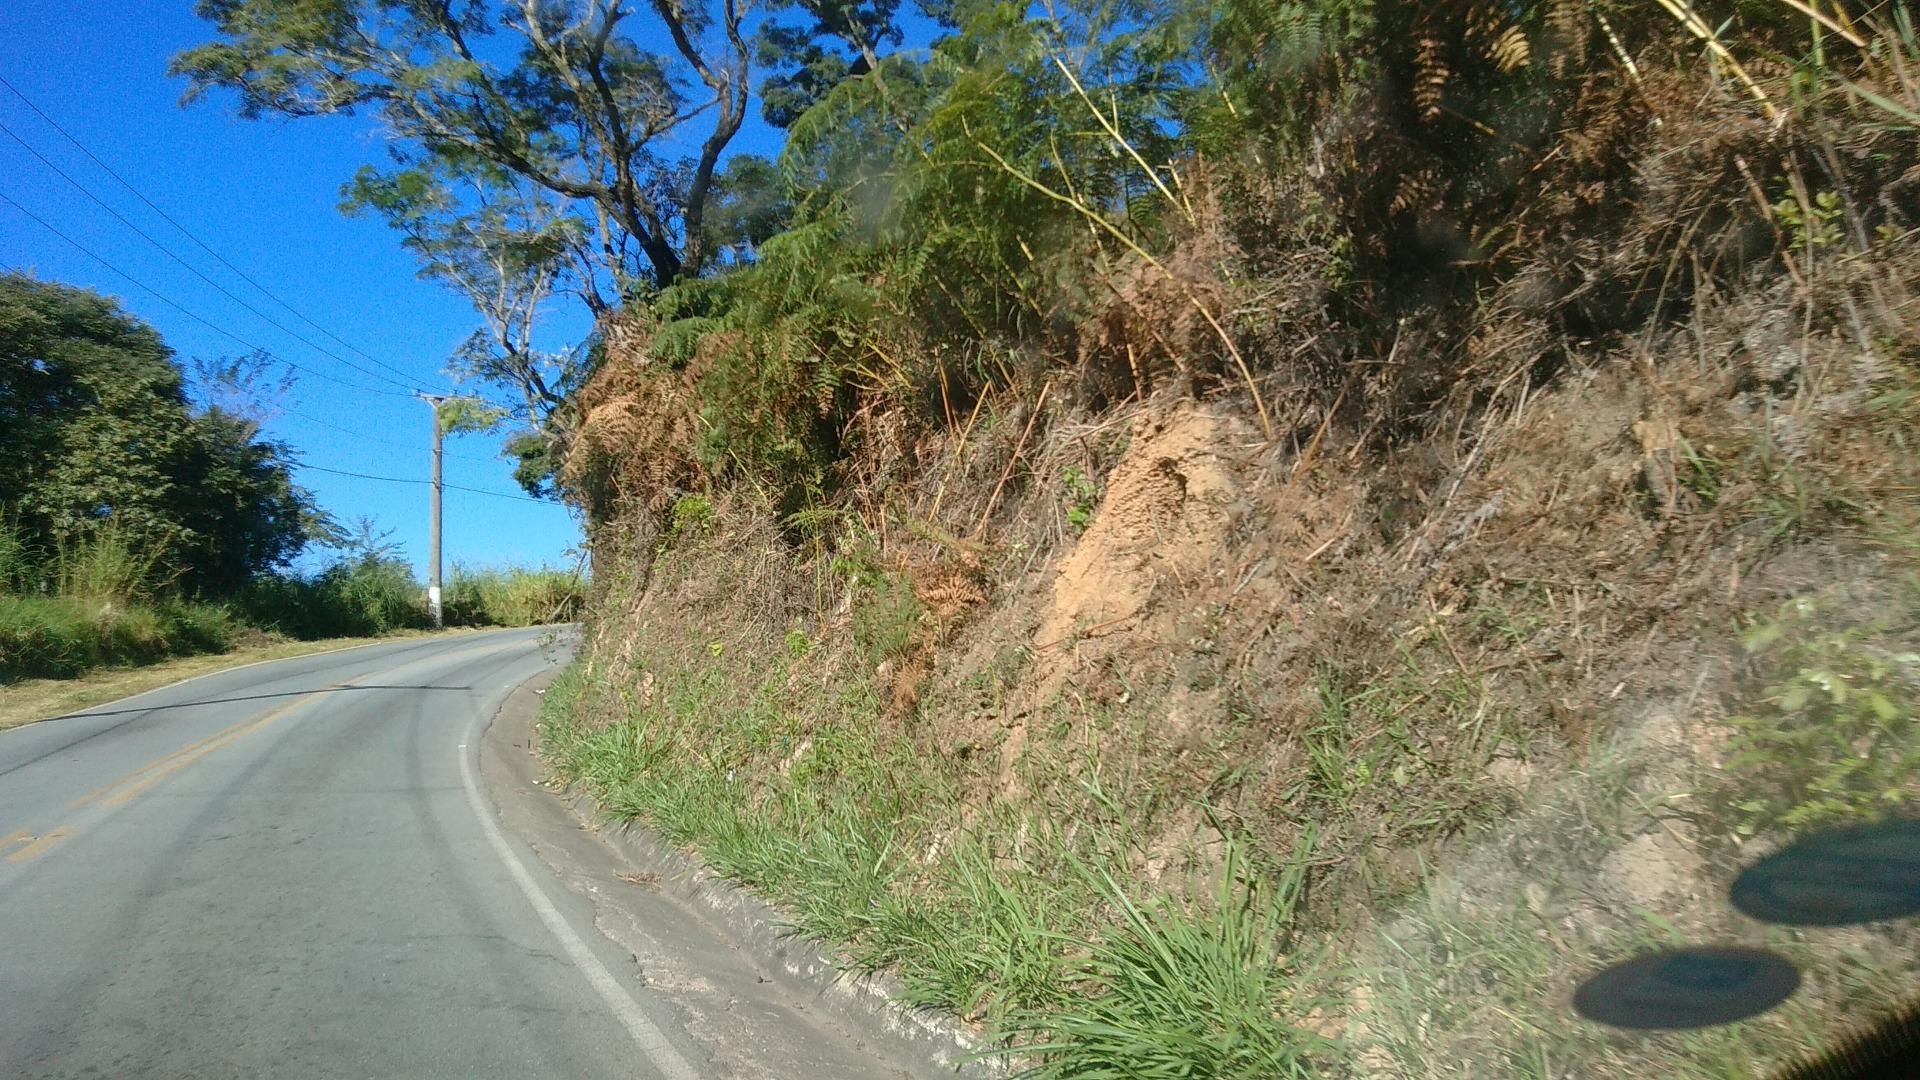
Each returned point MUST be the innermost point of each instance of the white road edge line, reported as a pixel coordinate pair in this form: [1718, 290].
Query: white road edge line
[645, 1033]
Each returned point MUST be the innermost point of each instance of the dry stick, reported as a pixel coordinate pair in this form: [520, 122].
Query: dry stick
[1683, 11]
[946, 402]
[959, 452]
[1246, 374]
[1018, 447]
[1305, 459]
[1113, 132]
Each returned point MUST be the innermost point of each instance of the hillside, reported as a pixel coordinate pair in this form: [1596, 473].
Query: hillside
[1442, 647]
[1233, 539]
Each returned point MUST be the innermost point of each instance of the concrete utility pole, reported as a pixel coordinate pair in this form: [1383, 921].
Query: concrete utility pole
[433, 541]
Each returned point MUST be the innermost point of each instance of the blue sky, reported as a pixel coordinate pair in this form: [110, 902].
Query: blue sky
[264, 195]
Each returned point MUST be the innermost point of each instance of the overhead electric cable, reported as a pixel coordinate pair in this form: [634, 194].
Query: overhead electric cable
[189, 234]
[406, 480]
[157, 295]
[375, 438]
[194, 270]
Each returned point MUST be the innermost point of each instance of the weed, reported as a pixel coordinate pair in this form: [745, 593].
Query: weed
[691, 514]
[1812, 225]
[1081, 498]
[887, 617]
[798, 644]
[1183, 989]
[1832, 734]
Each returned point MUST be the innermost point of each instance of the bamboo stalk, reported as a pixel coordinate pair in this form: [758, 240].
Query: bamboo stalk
[1689, 18]
[1233, 350]
[1113, 132]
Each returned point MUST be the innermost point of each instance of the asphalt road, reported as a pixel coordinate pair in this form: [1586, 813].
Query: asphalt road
[294, 869]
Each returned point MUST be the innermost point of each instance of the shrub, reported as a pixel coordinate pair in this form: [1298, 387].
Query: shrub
[513, 596]
[1832, 733]
[63, 636]
[352, 599]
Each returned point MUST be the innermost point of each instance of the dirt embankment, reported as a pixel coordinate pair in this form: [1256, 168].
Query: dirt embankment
[1481, 682]
[1492, 673]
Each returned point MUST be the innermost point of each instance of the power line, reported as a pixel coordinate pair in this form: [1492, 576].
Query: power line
[157, 295]
[11, 269]
[194, 270]
[188, 233]
[405, 480]
[378, 439]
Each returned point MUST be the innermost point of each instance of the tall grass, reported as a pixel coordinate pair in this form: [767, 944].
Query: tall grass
[93, 602]
[513, 595]
[1011, 919]
[1183, 989]
[106, 566]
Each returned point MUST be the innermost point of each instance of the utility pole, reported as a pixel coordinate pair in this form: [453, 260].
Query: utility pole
[433, 541]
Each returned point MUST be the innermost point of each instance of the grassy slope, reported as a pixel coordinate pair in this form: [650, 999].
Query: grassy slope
[1444, 748]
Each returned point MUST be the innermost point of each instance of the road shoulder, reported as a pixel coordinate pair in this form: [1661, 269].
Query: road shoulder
[763, 1000]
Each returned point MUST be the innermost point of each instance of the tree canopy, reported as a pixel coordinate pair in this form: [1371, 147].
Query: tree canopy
[567, 96]
[102, 435]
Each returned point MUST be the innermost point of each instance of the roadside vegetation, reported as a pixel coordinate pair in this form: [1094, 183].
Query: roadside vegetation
[135, 526]
[1214, 539]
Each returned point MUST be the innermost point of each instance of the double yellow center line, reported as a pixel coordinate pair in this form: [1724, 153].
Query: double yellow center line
[29, 844]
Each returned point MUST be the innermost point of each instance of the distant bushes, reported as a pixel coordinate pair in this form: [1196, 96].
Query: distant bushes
[356, 599]
[381, 596]
[102, 602]
[513, 596]
[62, 636]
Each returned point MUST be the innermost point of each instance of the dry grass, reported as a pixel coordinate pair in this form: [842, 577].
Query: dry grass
[1474, 626]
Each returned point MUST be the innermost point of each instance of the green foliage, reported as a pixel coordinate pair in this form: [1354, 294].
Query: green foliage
[513, 596]
[103, 567]
[61, 636]
[103, 441]
[1281, 66]
[1832, 733]
[1811, 225]
[691, 514]
[1183, 990]
[888, 617]
[1082, 497]
[466, 415]
[352, 598]
[798, 643]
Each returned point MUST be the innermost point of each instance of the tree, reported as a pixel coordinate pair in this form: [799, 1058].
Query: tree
[556, 93]
[842, 41]
[240, 511]
[502, 242]
[101, 436]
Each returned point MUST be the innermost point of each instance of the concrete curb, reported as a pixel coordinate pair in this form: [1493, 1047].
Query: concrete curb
[866, 1002]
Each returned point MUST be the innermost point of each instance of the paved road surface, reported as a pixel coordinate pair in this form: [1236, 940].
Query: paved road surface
[291, 870]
